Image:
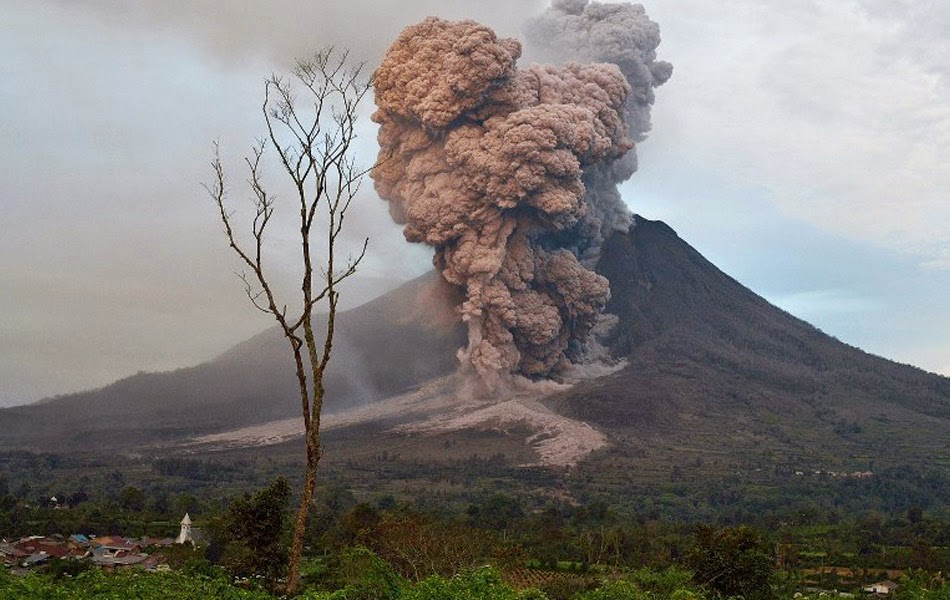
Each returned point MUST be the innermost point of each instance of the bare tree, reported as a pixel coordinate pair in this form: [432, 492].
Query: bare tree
[312, 138]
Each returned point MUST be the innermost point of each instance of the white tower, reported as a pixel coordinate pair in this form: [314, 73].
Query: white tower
[184, 536]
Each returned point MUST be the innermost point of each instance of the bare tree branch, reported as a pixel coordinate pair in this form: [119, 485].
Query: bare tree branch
[313, 145]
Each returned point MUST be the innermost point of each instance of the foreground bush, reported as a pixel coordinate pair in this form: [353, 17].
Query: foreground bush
[123, 586]
[375, 583]
[478, 584]
[354, 574]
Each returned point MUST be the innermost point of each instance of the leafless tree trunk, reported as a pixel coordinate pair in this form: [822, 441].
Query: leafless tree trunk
[312, 137]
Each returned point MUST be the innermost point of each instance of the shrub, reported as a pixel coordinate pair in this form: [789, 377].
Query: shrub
[616, 590]
[732, 562]
[478, 584]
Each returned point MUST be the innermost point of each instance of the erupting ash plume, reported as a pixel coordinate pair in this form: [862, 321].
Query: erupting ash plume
[619, 34]
[510, 174]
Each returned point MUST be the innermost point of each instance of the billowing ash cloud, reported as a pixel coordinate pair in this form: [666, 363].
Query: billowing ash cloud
[491, 164]
[619, 34]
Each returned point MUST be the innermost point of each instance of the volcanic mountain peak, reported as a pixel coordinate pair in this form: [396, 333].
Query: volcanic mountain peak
[710, 369]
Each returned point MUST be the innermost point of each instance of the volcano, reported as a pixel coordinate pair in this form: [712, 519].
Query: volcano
[704, 370]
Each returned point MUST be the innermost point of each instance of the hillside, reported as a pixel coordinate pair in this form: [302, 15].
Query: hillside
[718, 376]
[721, 392]
[253, 382]
[715, 376]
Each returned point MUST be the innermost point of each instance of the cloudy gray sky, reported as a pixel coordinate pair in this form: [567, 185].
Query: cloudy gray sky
[801, 146]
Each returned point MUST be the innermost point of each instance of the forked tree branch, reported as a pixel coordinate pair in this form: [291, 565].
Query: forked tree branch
[313, 141]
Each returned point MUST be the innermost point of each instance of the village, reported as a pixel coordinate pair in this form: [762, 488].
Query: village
[113, 553]
[108, 552]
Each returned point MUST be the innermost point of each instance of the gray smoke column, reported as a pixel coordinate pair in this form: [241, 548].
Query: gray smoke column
[486, 163]
[623, 35]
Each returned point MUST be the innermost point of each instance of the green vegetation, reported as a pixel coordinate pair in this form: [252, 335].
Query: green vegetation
[483, 583]
[141, 586]
[250, 536]
[363, 545]
[732, 562]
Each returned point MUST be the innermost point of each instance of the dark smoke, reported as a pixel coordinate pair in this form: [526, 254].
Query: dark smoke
[619, 34]
[504, 172]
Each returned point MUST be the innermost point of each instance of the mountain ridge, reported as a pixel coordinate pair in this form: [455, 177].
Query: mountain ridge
[700, 348]
[713, 375]
[253, 381]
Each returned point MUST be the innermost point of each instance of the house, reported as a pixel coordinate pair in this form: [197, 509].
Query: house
[42, 545]
[155, 563]
[115, 546]
[35, 559]
[108, 552]
[52, 549]
[11, 555]
[882, 587]
[113, 563]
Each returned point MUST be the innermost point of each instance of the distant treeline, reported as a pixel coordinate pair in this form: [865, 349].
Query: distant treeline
[201, 470]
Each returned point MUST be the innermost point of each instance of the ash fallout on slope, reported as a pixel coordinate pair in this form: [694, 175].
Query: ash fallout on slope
[510, 174]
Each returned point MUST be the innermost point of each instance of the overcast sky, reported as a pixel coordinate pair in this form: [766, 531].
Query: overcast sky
[803, 146]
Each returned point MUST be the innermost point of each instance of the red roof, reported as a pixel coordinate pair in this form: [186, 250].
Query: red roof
[15, 552]
[48, 547]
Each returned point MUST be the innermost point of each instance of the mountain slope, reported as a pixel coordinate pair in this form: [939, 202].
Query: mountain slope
[727, 407]
[396, 341]
[713, 370]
